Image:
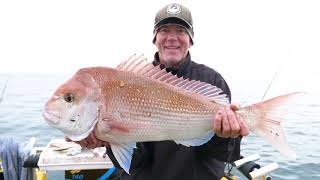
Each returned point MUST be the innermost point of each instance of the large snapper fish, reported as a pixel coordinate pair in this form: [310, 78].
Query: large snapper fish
[138, 102]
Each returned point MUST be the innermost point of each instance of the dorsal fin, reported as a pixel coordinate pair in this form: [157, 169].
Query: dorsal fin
[133, 64]
[140, 65]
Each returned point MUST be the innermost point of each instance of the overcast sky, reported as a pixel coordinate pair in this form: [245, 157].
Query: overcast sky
[233, 37]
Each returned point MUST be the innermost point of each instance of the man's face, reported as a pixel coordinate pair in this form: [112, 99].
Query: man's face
[173, 43]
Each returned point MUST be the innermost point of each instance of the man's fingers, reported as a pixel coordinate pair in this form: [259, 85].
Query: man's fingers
[217, 123]
[83, 143]
[226, 129]
[234, 107]
[244, 130]
[233, 123]
[227, 123]
[91, 141]
[94, 142]
[105, 144]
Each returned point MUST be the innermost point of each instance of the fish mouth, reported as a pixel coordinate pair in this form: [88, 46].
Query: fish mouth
[51, 118]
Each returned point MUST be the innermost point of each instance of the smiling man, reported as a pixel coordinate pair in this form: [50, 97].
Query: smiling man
[173, 36]
[173, 43]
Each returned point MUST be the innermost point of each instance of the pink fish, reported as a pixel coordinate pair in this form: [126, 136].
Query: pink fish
[138, 102]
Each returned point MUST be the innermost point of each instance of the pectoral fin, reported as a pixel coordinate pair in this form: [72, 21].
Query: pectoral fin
[123, 154]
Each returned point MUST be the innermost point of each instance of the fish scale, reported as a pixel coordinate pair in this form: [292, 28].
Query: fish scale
[164, 115]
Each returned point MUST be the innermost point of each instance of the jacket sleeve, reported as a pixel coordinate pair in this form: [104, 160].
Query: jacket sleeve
[223, 149]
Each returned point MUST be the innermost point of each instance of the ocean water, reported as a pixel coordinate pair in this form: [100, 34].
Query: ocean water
[26, 94]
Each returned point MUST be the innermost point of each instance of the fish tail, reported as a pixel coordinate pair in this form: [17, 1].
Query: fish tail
[267, 124]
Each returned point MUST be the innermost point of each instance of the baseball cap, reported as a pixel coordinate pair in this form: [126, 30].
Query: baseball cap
[174, 14]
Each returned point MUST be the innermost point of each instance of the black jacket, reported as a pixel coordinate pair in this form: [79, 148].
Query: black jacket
[167, 160]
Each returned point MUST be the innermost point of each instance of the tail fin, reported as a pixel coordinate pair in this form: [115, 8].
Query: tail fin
[268, 122]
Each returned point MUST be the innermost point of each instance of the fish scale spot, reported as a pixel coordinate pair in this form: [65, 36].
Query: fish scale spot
[121, 84]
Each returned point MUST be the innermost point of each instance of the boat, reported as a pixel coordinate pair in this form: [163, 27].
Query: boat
[82, 164]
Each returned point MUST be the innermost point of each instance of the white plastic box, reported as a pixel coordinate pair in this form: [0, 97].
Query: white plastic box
[53, 159]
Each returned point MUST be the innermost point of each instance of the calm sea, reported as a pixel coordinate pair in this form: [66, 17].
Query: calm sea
[26, 94]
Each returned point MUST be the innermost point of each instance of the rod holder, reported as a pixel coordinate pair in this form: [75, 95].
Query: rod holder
[246, 159]
[264, 170]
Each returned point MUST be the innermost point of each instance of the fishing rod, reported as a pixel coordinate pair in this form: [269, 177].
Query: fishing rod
[3, 90]
[265, 93]
[274, 77]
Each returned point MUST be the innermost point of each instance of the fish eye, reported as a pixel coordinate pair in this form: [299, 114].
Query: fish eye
[69, 97]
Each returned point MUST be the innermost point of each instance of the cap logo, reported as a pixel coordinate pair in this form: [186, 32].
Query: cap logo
[174, 9]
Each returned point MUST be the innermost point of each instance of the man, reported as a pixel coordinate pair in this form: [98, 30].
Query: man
[173, 36]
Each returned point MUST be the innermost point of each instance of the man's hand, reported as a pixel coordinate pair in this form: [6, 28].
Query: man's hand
[229, 124]
[90, 142]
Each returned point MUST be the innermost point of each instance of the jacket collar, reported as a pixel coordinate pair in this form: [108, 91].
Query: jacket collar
[180, 71]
